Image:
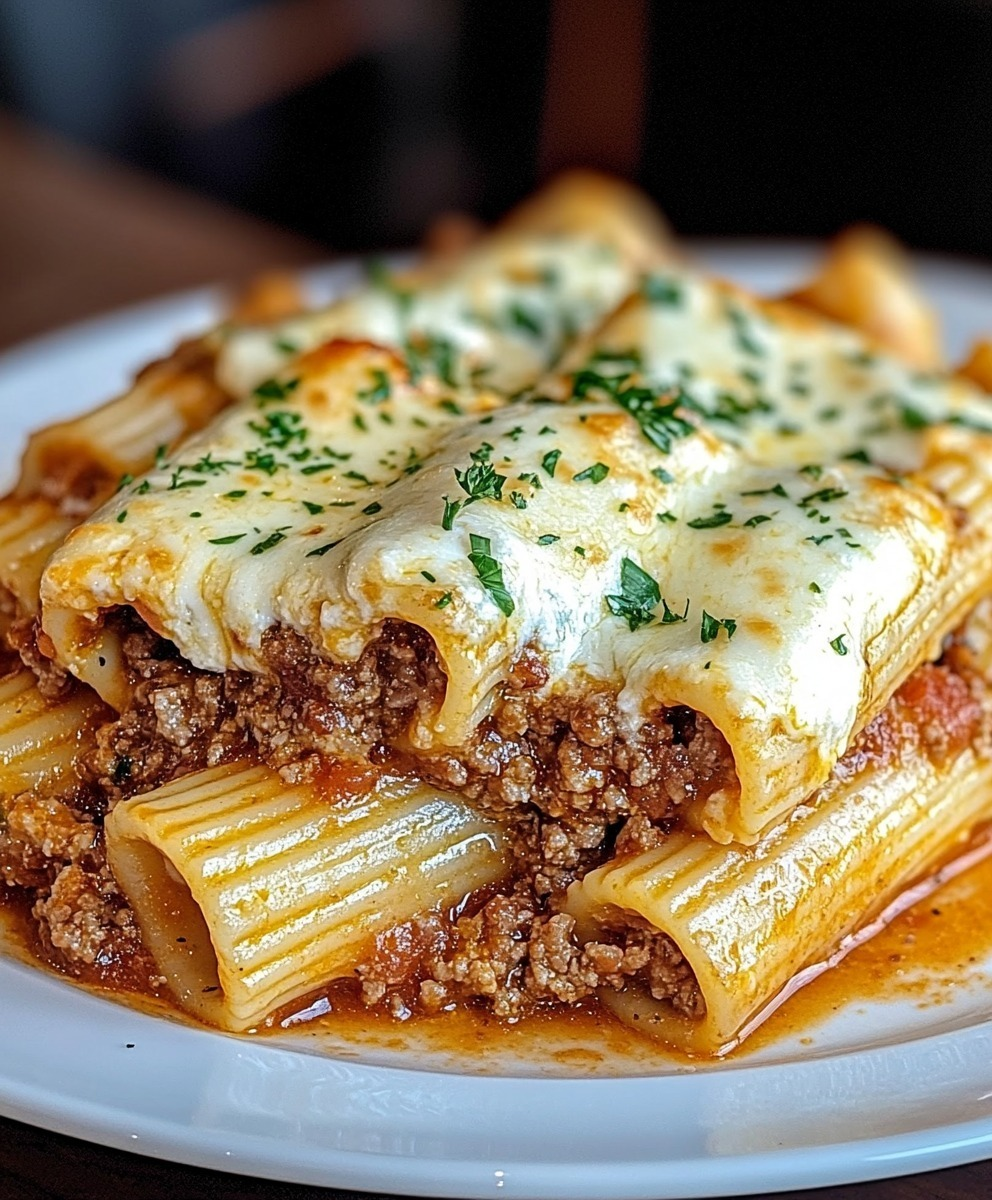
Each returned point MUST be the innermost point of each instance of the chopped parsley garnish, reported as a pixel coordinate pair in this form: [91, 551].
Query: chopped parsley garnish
[714, 521]
[313, 508]
[381, 388]
[658, 418]
[550, 461]
[913, 418]
[579, 550]
[272, 389]
[547, 538]
[709, 627]
[236, 495]
[860, 455]
[823, 496]
[429, 577]
[744, 331]
[320, 551]
[661, 474]
[258, 460]
[450, 406]
[818, 541]
[370, 509]
[668, 517]
[815, 587]
[776, 490]
[522, 318]
[227, 541]
[280, 428]
[122, 483]
[480, 480]
[532, 479]
[811, 470]
[757, 519]
[285, 346]
[443, 601]
[639, 596]
[451, 508]
[542, 431]
[518, 500]
[490, 573]
[662, 290]
[122, 517]
[431, 354]
[274, 538]
[594, 474]
[838, 646]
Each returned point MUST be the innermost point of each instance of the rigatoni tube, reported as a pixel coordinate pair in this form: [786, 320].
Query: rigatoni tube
[250, 893]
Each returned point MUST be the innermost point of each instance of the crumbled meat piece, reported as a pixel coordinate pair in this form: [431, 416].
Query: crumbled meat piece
[22, 636]
[37, 836]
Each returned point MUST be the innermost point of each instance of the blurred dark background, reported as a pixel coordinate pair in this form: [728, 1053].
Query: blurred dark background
[353, 122]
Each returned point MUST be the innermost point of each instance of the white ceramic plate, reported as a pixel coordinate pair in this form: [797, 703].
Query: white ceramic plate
[884, 1089]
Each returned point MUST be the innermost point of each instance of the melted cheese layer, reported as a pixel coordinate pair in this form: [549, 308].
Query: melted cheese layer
[620, 538]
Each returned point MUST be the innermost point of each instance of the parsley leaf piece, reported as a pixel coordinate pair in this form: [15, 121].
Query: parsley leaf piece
[313, 508]
[371, 509]
[709, 627]
[838, 646]
[227, 541]
[451, 508]
[594, 474]
[274, 538]
[443, 601]
[490, 573]
[757, 519]
[272, 390]
[480, 481]
[823, 496]
[713, 521]
[550, 461]
[815, 587]
[381, 388]
[518, 500]
[661, 474]
[547, 538]
[639, 596]
[662, 290]
[322, 550]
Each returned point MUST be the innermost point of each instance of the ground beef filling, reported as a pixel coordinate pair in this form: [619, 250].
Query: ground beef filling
[516, 958]
[571, 780]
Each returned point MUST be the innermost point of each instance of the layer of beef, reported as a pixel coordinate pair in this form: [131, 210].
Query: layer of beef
[516, 957]
[568, 776]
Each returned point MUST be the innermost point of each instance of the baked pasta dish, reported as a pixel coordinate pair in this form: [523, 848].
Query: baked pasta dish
[549, 621]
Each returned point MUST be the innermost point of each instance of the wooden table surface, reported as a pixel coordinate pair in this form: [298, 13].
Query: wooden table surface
[79, 235]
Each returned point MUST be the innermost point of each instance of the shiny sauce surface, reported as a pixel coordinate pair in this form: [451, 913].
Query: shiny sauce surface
[935, 953]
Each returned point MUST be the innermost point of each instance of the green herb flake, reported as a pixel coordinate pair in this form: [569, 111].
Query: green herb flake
[815, 587]
[451, 509]
[550, 461]
[443, 601]
[272, 390]
[661, 474]
[709, 627]
[490, 573]
[518, 500]
[714, 521]
[429, 577]
[824, 496]
[662, 290]
[381, 388]
[668, 517]
[838, 646]
[547, 538]
[122, 517]
[594, 474]
[274, 538]
[371, 509]
[227, 541]
[757, 519]
[450, 406]
[235, 495]
[313, 508]
[639, 596]
[321, 550]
